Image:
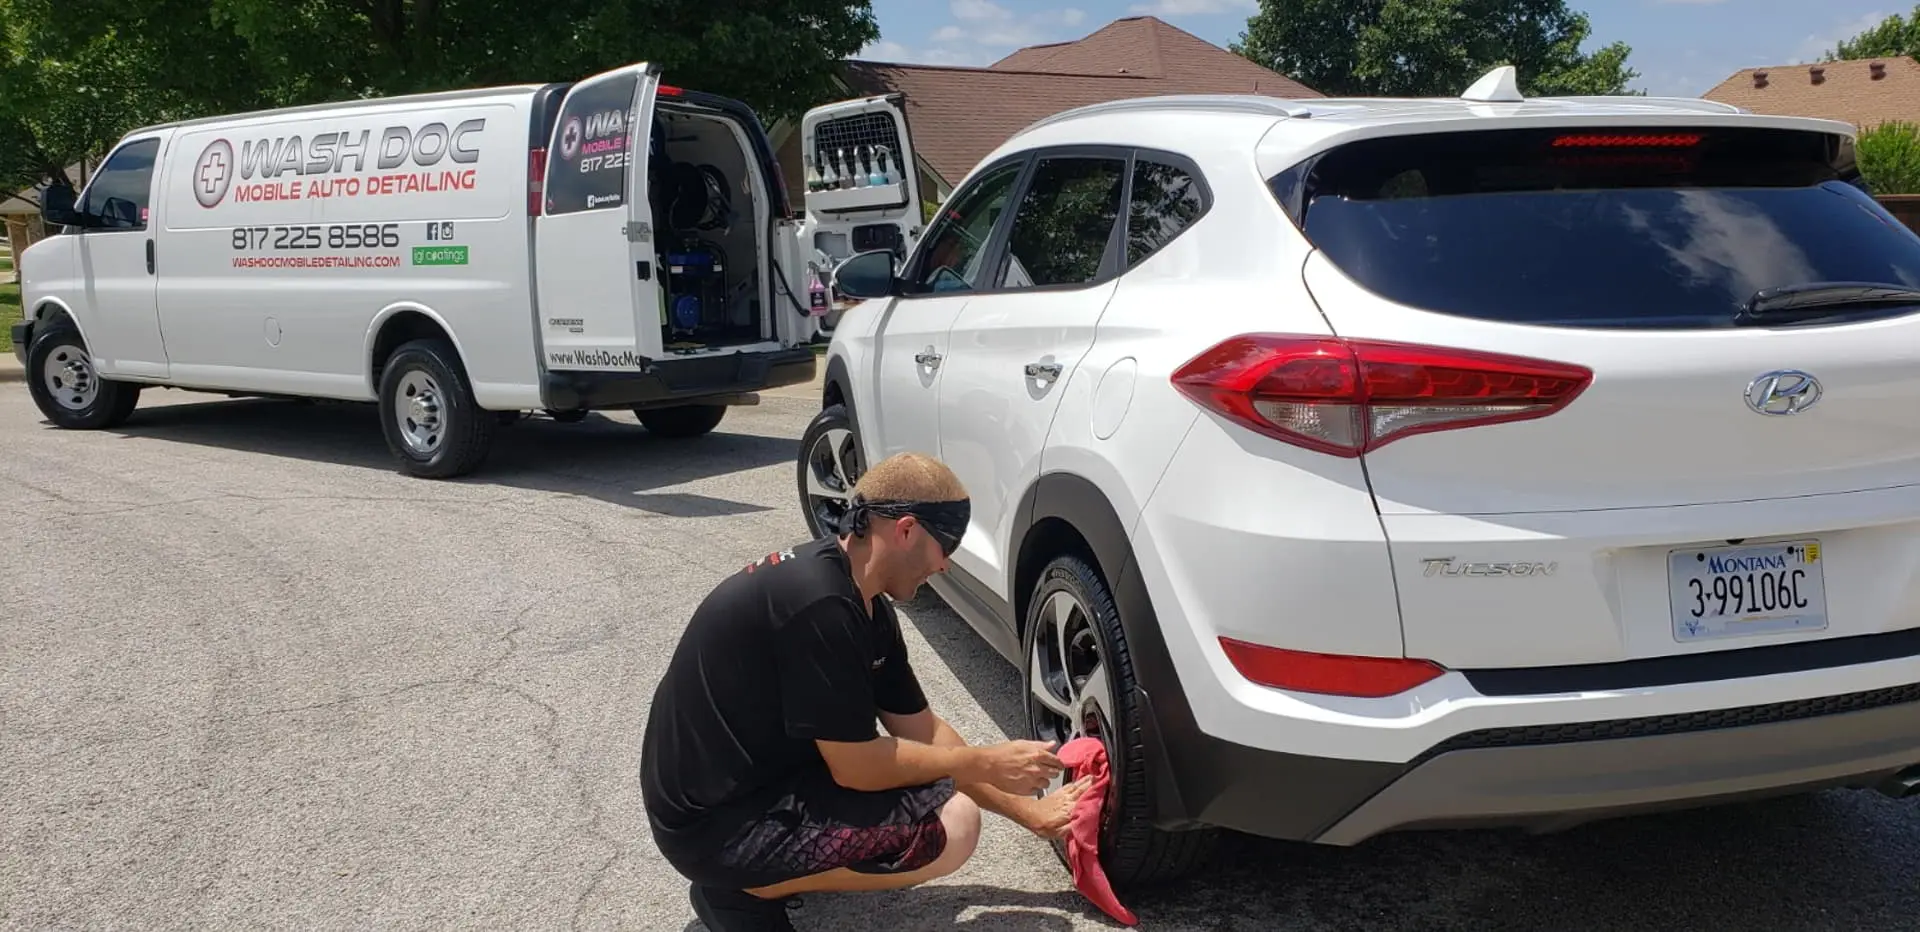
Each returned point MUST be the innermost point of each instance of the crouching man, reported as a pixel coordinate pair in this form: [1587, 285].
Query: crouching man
[762, 770]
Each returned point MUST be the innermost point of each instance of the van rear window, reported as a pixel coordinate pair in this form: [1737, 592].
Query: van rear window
[1645, 228]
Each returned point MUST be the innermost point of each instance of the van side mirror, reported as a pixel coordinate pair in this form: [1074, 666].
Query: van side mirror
[866, 275]
[56, 206]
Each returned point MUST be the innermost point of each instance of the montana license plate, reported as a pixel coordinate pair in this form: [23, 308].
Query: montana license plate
[1720, 592]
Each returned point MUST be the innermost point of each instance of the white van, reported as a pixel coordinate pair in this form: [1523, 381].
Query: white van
[461, 258]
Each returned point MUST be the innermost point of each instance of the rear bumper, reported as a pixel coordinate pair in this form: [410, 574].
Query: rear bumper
[678, 380]
[1552, 777]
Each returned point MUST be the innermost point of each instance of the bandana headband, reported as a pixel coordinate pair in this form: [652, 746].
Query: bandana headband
[945, 521]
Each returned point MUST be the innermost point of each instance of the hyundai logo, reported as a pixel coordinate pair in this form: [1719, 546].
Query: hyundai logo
[1782, 392]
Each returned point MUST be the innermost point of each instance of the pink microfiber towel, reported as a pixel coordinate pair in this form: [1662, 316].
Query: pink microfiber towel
[1088, 757]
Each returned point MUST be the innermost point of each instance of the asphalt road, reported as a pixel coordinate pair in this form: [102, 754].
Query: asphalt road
[250, 677]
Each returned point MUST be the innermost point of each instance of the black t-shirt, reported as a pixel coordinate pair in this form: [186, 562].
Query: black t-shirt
[778, 655]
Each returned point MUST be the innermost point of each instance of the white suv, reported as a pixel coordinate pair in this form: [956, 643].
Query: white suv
[1352, 466]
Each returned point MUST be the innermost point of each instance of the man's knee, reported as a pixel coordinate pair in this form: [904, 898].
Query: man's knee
[961, 819]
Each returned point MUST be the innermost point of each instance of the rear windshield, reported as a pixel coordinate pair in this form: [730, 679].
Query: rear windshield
[1629, 228]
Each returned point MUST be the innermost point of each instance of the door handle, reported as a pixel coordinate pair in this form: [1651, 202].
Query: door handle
[1047, 371]
[927, 357]
[149, 257]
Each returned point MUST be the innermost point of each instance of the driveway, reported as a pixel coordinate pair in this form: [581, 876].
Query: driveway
[251, 677]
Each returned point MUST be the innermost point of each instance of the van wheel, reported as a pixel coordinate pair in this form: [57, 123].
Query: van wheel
[1079, 683]
[64, 385]
[428, 413]
[682, 421]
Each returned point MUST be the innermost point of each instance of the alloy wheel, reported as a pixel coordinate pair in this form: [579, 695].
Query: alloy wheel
[833, 466]
[1071, 694]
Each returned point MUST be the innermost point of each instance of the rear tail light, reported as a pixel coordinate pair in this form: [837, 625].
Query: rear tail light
[536, 182]
[1349, 397]
[1328, 674]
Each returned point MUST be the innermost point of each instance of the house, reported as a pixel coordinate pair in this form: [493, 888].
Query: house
[20, 218]
[958, 115]
[1864, 92]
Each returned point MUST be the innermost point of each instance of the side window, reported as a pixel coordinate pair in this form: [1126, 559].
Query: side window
[118, 196]
[1065, 222]
[956, 246]
[587, 164]
[1165, 201]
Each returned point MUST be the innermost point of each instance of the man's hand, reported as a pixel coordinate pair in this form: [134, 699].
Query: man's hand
[1013, 766]
[1049, 816]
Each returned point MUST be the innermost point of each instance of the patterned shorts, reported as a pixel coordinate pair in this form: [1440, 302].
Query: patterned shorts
[812, 825]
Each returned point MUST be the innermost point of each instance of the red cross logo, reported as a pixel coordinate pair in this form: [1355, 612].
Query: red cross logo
[213, 173]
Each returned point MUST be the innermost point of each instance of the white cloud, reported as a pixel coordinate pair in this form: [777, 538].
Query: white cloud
[983, 32]
[885, 50]
[980, 11]
[1203, 7]
[1817, 45]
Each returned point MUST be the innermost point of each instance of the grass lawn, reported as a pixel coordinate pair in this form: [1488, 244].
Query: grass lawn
[9, 309]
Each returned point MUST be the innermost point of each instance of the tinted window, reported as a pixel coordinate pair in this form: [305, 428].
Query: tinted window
[587, 163]
[1165, 201]
[1065, 221]
[1641, 229]
[956, 246]
[117, 197]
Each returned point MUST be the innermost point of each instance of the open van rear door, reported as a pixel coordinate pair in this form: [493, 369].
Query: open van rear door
[594, 254]
[863, 184]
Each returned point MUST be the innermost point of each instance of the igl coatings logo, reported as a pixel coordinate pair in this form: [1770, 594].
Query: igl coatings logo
[213, 173]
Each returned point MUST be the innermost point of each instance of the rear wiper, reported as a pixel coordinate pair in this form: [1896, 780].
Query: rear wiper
[1820, 299]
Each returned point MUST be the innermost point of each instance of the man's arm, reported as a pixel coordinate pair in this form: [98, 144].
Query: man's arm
[885, 763]
[1045, 816]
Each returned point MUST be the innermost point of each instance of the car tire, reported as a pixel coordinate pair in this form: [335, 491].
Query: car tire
[683, 421]
[432, 423]
[1132, 851]
[64, 386]
[829, 464]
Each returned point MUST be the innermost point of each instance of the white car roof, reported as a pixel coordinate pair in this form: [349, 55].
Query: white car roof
[1295, 128]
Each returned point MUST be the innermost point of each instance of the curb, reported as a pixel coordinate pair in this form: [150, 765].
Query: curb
[11, 371]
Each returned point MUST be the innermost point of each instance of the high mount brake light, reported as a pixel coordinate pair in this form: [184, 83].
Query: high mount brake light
[1328, 674]
[1627, 141]
[1349, 397]
[536, 182]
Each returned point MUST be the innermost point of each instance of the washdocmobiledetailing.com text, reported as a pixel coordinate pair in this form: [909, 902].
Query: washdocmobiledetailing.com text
[316, 262]
[625, 359]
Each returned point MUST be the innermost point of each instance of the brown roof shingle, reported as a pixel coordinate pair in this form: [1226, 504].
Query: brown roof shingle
[958, 115]
[1855, 91]
[1148, 47]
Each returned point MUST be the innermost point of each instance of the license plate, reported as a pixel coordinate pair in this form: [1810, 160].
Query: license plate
[1720, 592]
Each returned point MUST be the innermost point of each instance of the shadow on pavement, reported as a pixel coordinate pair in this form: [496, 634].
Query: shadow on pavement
[1832, 860]
[611, 460]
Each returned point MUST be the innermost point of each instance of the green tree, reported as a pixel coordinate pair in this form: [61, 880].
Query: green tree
[1889, 156]
[777, 55]
[77, 74]
[1895, 35]
[1418, 48]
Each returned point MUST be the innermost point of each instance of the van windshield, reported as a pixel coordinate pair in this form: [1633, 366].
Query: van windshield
[1625, 228]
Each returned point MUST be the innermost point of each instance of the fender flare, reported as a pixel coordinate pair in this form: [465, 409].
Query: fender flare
[42, 310]
[837, 380]
[379, 323]
[1166, 712]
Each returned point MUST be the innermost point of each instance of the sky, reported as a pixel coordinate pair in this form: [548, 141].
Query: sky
[1680, 47]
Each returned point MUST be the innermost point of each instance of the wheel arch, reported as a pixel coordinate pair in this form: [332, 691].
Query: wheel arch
[48, 308]
[396, 324]
[837, 388]
[1062, 512]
